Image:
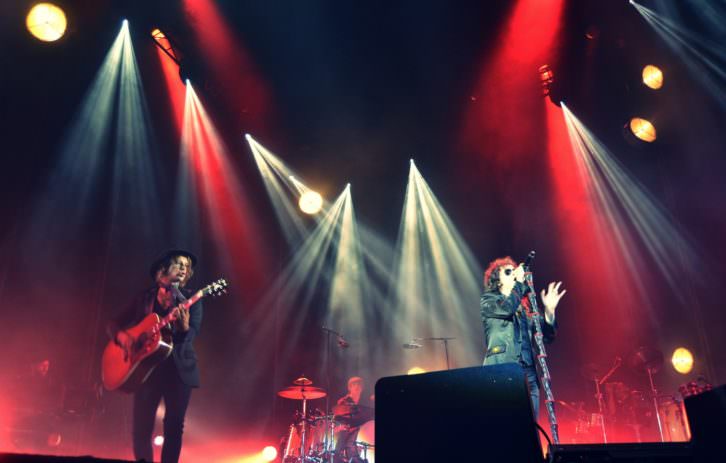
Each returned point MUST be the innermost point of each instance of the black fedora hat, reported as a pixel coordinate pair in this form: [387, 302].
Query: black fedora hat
[159, 261]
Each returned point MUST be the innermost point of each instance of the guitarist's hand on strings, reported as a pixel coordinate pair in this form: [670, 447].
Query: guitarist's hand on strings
[182, 321]
[124, 341]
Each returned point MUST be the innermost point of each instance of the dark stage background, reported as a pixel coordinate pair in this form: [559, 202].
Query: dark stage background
[346, 92]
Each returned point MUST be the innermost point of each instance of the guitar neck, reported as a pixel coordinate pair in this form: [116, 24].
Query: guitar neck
[171, 316]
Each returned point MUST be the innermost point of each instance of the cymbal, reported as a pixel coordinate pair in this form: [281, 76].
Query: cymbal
[302, 381]
[302, 392]
[646, 359]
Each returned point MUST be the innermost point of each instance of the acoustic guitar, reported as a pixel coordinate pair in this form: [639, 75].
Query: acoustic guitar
[128, 369]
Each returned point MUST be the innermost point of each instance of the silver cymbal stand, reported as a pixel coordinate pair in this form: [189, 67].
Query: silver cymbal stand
[599, 397]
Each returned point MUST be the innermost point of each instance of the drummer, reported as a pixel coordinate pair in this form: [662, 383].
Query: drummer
[347, 431]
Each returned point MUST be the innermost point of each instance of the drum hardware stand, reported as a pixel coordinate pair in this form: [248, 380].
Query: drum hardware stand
[365, 446]
[650, 360]
[654, 393]
[445, 340]
[542, 353]
[328, 435]
[599, 396]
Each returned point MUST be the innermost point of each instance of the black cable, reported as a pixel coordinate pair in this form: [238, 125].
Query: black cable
[544, 433]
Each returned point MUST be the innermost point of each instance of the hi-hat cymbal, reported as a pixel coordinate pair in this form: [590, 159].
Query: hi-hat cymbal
[302, 381]
[646, 359]
[302, 392]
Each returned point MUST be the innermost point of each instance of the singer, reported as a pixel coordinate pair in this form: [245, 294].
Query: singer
[506, 318]
[175, 377]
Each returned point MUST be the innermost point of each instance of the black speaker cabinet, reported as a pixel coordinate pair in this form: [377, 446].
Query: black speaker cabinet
[472, 414]
[707, 419]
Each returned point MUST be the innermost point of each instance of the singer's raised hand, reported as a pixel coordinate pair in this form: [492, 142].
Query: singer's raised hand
[550, 298]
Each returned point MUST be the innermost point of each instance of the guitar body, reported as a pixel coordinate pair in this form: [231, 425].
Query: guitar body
[126, 371]
[149, 349]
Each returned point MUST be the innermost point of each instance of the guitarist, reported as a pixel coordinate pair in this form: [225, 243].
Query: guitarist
[174, 378]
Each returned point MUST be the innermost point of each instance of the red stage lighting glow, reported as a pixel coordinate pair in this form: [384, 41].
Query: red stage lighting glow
[223, 199]
[575, 218]
[507, 88]
[233, 67]
[174, 86]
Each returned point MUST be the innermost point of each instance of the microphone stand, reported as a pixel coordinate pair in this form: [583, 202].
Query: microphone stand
[445, 340]
[542, 355]
[328, 436]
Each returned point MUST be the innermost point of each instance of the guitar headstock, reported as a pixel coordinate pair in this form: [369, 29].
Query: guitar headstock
[216, 288]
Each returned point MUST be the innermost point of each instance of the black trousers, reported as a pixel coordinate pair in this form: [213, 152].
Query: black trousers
[533, 384]
[165, 383]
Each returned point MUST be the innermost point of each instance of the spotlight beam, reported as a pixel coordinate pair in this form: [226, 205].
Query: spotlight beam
[436, 276]
[629, 215]
[705, 58]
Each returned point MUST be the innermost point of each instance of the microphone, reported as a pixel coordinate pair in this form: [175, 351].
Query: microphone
[529, 259]
[412, 344]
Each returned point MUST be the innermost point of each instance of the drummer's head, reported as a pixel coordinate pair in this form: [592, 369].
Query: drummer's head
[355, 385]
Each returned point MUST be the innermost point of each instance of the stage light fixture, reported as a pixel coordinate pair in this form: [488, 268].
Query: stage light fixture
[159, 441]
[269, 453]
[311, 202]
[547, 78]
[682, 360]
[653, 77]
[166, 45]
[415, 371]
[46, 21]
[643, 129]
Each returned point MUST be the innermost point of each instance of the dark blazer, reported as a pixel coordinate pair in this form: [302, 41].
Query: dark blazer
[185, 358]
[502, 318]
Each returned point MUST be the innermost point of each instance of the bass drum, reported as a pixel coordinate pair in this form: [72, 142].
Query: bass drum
[314, 441]
[367, 435]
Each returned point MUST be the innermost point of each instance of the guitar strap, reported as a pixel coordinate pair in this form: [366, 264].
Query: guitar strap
[177, 293]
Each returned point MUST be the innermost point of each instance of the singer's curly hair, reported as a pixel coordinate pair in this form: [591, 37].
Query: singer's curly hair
[491, 275]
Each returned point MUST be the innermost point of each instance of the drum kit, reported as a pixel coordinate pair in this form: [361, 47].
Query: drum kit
[620, 407]
[311, 434]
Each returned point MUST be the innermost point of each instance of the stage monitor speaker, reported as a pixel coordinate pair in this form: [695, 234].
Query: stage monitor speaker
[472, 414]
[27, 458]
[650, 452]
[707, 419]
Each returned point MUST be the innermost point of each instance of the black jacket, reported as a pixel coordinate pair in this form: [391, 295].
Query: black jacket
[185, 358]
[502, 318]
